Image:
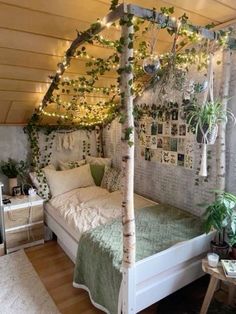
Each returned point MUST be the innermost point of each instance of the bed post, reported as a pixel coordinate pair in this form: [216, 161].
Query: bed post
[221, 145]
[128, 220]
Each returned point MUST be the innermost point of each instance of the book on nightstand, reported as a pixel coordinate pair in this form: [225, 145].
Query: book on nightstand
[229, 267]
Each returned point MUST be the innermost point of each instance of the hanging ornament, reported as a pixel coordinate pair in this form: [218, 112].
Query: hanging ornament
[152, 63]
[205, 134]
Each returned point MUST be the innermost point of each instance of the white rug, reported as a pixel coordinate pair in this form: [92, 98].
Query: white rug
[21, 291]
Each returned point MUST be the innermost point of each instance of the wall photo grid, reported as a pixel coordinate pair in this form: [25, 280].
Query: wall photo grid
[167, 139]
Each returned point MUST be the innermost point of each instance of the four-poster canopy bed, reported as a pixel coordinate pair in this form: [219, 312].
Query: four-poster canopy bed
[154, 277]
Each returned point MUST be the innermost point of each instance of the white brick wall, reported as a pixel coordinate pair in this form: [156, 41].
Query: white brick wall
[175, 185]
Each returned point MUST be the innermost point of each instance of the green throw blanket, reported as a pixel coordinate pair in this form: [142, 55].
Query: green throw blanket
[99, 253]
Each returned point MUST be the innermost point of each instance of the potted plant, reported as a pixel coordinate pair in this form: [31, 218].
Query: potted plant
[12, 169]
[232, 243]
[218, 216]
[203, 120]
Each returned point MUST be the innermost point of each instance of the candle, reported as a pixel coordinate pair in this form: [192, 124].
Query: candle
[213, 259]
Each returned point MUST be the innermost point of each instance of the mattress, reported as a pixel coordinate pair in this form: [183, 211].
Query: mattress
[83, 209]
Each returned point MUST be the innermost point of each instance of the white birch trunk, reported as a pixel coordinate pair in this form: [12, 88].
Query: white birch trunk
[128, 219]
[221, 142]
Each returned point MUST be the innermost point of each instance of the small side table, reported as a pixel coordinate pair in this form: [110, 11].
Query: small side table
[217, 274]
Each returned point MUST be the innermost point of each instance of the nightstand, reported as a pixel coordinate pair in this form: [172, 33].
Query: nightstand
[23, 222]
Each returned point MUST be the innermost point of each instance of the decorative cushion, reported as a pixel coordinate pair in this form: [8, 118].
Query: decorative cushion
[97, 172]
[65, 165]
[67, 180]
[40, 182]
[111, 179]
[98, 161]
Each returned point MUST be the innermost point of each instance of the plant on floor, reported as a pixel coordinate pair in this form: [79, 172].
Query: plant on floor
[204, 119]
[220, 216]
[13, 168]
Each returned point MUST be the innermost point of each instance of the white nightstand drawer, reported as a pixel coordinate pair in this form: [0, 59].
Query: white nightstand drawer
[23, 216]
[24, 235]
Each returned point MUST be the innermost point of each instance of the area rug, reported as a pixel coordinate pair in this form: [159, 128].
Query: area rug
[21, 290]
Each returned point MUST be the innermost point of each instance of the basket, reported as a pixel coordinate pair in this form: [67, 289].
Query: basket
[206, 136]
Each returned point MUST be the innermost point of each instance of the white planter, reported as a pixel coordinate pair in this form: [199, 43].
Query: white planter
[2, 249]
[11, 183]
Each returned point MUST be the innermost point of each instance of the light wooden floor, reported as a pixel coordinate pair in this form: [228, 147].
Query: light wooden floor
[55, 270]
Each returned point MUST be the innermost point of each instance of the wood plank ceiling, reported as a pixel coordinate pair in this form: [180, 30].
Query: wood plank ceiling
[35, 33]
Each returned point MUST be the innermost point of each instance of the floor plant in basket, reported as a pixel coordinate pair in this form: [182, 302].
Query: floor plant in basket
[220, 216]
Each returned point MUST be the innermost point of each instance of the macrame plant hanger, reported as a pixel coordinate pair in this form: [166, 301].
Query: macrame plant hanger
[206, 132]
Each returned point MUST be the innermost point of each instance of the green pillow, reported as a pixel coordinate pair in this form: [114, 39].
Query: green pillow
[97, 172]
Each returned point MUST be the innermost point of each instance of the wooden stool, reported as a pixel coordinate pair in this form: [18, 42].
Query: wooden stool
[217, 274]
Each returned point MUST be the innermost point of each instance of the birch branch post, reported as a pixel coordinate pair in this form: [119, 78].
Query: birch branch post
[128, 219]
[221, 140]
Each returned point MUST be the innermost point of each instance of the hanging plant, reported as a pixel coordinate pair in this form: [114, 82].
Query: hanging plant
[203, 120]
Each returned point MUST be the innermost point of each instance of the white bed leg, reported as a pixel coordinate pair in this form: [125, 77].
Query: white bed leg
[128, 291]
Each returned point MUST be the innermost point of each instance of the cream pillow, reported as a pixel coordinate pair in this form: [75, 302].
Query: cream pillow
[63, 181]
[40, 182]
[98, 161]
[65, 165]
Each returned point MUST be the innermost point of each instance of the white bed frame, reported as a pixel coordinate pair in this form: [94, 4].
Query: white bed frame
[154, 277]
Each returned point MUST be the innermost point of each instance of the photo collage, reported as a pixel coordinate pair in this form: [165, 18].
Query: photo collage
[167, 140]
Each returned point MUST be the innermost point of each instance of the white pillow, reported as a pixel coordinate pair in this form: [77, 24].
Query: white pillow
[65, 165]
[40, 182]
[67, 180]
[98, 161]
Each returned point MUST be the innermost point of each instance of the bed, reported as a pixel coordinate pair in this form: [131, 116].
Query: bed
[75, 215]
[71, 214]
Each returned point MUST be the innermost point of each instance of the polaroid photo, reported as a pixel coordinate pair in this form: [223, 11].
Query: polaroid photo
[148, 154]
[153, 142]
[148, 141]
[173, 144]
[166, 143]
[160, 128]
[174, 129]
[182, 129]
[166, 128]
[154, 128]
[188, 161]
[173, 159]
[175, 114]
[159, 142]
[181, 145]
[180, 161]
[165, 157]
[157, 156]
[142, 139]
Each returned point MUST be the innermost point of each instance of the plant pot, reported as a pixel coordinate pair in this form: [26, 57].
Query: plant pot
[222, 250]
[233, 252]
[205, 136]
[11, 183]
[2, 252]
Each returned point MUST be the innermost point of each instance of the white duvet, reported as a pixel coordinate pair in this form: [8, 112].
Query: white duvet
[86, 208]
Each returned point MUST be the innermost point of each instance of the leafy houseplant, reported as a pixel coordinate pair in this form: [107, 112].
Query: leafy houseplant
[12, 169]
[203, 119]
[219, 216]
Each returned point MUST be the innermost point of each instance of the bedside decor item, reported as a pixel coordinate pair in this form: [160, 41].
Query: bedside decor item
[23, 222]
[16, 191]
[219, 216]
[13, 169]
[213, 259]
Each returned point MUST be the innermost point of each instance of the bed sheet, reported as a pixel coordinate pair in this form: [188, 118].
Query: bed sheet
[86, 208]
